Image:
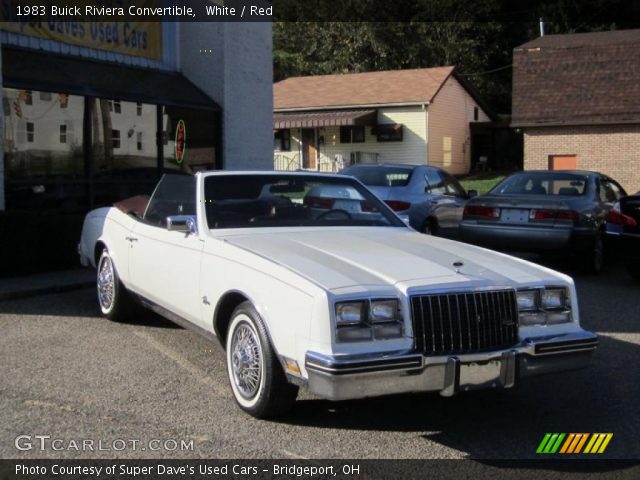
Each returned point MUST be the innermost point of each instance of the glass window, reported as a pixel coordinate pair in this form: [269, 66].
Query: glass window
[434, 183]
[282, 140]
[174, 195]
[139, 109]
[115, 106]
[253, 201]
[30, 132]
[380, 176]
[545, 183]
[351, 134]
[139, 140]
[191, 139]
[115, 138]
[41, 170]
[452, 186]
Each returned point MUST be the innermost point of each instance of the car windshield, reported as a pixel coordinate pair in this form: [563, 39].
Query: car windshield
[249, 201]
[546, 183]
[380, 176]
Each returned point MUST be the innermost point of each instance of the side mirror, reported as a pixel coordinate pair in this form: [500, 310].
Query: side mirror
[472, 193]
[182, 223]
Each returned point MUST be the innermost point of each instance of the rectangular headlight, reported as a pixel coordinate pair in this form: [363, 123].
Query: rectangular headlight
[350, 313]
[554, 298]
[383, 311]
[527, 300]
[544, 306]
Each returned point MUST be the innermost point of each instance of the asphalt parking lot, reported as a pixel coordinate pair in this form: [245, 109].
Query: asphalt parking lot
[68, 373]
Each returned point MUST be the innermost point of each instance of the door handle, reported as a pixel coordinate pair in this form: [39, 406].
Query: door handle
[131, 239]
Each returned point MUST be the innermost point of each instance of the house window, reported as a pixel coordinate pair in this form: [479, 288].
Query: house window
[45, 96]
[63, 134]
[139, 109]
[351, 134]
[139, 140]
[115, 138]
[28, 97]
[63, 98]
[476, 114]
[282, 140]
[30, 132]
[115, 106]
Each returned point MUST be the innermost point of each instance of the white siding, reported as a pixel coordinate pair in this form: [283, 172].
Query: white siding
[449, 136]
[412, 148]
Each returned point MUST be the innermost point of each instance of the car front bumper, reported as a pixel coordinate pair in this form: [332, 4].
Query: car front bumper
[359, 376]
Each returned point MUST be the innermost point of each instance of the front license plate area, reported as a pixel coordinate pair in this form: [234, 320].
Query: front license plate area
[514, 215]
[480, 375]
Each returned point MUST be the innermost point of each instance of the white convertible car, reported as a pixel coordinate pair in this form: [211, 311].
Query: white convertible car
[310, 280]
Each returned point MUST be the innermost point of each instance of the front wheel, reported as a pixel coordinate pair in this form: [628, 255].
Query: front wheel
[114, 300]
[257, 381]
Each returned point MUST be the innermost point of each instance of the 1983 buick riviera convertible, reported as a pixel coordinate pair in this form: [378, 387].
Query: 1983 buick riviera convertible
[310, 280]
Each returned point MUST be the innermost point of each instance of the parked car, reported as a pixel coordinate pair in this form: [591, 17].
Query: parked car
[545, 211]
[349, 304]
[431, 198]
[623, 227]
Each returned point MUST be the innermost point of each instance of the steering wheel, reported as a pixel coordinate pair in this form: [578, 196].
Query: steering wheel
[335, 211]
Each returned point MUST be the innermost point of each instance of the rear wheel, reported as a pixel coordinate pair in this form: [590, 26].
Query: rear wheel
[257, 381]
[114, 299]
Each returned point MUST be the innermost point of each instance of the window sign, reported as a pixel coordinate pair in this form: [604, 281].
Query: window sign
[181, 141]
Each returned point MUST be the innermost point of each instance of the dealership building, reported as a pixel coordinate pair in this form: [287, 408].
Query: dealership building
[90, 117]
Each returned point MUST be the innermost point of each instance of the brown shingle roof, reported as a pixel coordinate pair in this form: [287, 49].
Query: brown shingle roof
[577, 79]
[359, 89]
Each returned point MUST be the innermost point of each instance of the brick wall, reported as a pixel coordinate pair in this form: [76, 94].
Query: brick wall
[610, 149]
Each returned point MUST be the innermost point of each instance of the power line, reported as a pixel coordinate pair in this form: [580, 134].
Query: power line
[486, 72]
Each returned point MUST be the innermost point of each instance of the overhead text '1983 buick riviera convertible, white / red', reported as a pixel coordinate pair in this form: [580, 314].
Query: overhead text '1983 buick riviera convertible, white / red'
[310, 280]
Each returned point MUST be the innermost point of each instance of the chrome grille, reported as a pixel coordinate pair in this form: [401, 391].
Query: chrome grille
[463, 322]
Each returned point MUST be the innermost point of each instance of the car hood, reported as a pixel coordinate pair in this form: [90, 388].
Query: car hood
[336, 258]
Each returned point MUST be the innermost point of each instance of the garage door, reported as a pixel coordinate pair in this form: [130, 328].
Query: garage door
[563, 162]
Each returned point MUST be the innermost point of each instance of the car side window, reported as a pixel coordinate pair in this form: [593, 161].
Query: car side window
[452, 186]
[174, 195]
[617, 190]
[607, 194]
[434, 183]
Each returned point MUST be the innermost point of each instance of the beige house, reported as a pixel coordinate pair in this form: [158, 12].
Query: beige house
[577, 100]
[419, 116]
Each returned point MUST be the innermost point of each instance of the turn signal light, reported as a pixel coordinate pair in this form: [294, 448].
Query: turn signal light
[619, 218]
[553, 215]
[484, 212]
[397, 205]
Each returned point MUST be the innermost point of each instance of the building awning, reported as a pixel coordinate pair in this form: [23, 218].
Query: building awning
[35, 70]
[331, 118]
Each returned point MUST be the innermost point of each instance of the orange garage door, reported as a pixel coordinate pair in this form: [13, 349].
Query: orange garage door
[563, 162]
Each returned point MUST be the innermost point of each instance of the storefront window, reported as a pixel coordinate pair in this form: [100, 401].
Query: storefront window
[43, 157]
[189, 139]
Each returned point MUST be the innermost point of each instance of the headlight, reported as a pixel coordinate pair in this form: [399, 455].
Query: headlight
[544, 306]
[527, 299]
[360, 320]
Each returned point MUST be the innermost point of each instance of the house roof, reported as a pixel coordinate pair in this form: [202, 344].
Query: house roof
[577, 79]
[360, 89]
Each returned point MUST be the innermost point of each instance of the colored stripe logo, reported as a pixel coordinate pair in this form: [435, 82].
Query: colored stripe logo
[574, 443]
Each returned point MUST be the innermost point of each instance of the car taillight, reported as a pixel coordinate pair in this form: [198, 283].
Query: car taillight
[618, 218]
[484, 212]
[319, 202]
[397, 205]
[553, 215]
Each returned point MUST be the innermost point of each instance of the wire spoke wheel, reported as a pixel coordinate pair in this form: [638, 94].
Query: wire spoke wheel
[246, 360]
[105, 283]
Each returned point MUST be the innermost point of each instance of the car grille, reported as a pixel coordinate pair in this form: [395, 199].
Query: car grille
[464, 322]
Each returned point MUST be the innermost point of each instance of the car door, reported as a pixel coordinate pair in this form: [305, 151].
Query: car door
[164, 265]
[449, 200]
[609, 193]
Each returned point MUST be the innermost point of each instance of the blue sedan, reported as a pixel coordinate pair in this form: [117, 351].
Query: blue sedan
[431, 198]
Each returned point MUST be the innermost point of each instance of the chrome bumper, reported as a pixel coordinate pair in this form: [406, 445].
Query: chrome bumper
[358, 376]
